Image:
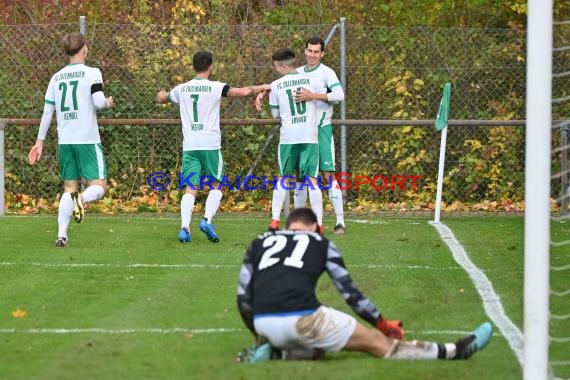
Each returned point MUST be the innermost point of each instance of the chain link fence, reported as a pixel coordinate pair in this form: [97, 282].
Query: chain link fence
[391, 74]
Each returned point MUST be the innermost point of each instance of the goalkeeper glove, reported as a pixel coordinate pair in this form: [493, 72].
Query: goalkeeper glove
[392, 329]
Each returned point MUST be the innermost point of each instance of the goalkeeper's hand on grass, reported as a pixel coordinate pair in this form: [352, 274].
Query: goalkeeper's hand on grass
[392, 329]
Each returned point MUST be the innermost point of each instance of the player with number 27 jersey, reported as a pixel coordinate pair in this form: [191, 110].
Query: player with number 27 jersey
[70, 91]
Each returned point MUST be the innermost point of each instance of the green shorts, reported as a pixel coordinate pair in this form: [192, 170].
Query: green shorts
[202, 164]
[326, 149]
[301, 158]
[78, 161]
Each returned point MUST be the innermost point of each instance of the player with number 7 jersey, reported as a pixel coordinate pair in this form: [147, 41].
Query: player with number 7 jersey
[199, 101]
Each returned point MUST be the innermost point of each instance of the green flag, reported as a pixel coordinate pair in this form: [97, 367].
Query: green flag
[443, 112]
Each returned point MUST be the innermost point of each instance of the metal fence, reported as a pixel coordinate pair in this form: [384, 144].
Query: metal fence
[391, 74]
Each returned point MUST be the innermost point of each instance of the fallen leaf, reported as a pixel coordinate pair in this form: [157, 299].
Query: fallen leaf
[19, 313]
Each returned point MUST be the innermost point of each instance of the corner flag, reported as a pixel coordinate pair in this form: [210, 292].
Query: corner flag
[441, 125]
[443, 113]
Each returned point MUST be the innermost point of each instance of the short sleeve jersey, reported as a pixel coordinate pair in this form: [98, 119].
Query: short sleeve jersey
[69, 90]
[331, 81]
[199, 101]
[299, 121]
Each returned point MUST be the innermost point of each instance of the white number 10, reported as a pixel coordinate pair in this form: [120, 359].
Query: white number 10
[276, 243]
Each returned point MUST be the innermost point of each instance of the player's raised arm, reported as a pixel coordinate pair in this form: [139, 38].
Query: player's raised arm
[236, 92]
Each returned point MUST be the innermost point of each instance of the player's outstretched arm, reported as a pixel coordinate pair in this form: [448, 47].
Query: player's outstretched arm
[236, 92]
[99, 99]
[162, 97]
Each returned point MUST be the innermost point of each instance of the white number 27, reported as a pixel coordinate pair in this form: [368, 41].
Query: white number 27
[276, 243]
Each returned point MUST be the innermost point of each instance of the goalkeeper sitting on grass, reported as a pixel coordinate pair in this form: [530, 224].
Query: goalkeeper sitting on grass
[276, 299]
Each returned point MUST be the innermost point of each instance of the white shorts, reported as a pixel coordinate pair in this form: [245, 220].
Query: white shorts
[326, 328]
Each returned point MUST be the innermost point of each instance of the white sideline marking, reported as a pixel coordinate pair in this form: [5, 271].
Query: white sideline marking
[210, 266]
[108, 265]
[135, 217]
[491, 301]
[560, 363]
[175, 330]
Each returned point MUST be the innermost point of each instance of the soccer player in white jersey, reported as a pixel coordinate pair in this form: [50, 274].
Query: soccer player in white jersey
[314, 52]
[75, 93]
[199, 101]
[298, 140]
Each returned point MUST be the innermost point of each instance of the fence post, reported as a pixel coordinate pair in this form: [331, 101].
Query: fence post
[564, 170]
[2, 169]
[82, 25]
[343, 165]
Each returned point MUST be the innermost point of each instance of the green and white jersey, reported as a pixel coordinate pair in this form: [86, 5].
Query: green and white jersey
[327, 75]
[199, 101]
[69, 90]
[299, 121]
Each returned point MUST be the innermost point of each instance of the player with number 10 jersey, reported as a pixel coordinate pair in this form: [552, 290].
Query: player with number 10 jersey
[299, 121]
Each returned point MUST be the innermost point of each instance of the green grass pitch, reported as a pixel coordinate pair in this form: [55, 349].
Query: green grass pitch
[126, 300]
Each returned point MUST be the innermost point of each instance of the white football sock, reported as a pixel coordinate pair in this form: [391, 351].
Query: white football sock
[92, 193]
[212, 204]
[64, 213]
[279, 194]
[300, 199]
[186, 207]
[335, 196]
[316, 199]
[450, 350]
[413, 350]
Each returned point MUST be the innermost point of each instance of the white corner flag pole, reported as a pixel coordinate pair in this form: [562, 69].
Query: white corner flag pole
[440, 172]
[441, 122]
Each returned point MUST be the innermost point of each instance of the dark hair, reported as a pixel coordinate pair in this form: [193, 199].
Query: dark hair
[284, 54]
[303, 215]
[72, 43]
[316, 41]
[202, 60]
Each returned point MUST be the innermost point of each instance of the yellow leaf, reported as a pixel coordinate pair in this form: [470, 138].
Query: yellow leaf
[19, 313]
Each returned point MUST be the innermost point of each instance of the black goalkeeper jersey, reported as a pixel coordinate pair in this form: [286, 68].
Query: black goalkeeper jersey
[280, 271]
